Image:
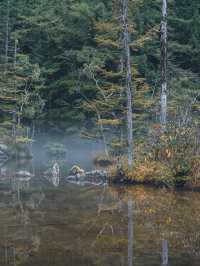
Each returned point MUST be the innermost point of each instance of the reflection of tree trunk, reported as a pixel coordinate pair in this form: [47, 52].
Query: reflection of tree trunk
[18, 192]
[164, 252]
[14, 257]
[130, 231]
[122, 262]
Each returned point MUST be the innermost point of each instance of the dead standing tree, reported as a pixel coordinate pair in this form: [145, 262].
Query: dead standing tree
[163, 47]
[7, 35]
[127, 60]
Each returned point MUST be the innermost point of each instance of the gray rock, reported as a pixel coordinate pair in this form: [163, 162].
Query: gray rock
[24, 174]
[76, 170]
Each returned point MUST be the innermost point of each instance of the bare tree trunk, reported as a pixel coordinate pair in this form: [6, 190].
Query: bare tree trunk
[128, 82]
[7, 35]
[15, 55]
[14, 111]
[163, 42]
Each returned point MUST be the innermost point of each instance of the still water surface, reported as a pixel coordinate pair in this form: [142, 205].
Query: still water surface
[73, 225]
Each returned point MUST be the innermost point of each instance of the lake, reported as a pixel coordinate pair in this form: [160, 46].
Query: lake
[83, 225]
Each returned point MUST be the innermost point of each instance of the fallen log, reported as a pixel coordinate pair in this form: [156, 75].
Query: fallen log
[95, 178]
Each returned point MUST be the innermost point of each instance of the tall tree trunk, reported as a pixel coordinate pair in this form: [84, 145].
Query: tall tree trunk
[15, 56]
[163, 42]
[7, 35]
[14, 111]
[128, 82]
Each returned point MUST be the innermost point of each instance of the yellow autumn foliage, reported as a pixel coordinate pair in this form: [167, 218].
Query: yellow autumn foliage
[106, 26]
[107, 42]
[145, 171]
[109, 122]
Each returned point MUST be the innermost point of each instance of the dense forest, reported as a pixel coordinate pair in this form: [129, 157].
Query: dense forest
[65, 63]
[56, 52]
[99, 132]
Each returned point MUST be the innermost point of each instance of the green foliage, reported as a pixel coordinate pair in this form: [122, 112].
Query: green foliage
[68, 66]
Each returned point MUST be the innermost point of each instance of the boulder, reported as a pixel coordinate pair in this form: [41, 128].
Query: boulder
[76, 170]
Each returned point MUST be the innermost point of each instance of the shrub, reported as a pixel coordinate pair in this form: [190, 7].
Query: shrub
[143, 172]
[170, 158]
[178, 149]
[103, 160]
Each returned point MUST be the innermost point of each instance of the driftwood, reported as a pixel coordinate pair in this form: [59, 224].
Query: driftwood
[96, 178]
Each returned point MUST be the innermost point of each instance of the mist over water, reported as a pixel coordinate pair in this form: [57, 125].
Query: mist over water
[79, 151]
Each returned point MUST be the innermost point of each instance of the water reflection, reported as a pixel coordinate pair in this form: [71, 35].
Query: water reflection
[130, 230]
[63, 226]
[66, 224]
[165, 252]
